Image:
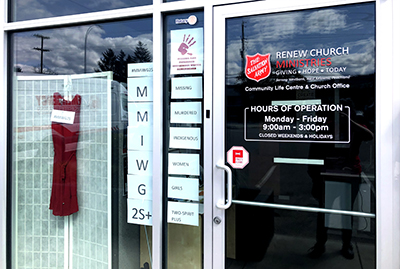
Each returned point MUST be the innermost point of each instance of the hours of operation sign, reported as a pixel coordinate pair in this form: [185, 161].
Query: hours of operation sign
[298, 123]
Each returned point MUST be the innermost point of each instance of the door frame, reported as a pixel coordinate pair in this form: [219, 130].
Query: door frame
[387, 147]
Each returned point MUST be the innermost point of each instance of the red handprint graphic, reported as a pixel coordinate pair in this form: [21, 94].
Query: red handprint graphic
[186, 44]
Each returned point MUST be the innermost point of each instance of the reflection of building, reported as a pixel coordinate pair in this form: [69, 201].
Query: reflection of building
[320, 54]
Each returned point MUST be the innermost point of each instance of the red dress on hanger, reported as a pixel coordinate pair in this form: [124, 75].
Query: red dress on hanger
[63, 199]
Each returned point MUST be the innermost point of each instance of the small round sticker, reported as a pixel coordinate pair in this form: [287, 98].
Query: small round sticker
[192, 20]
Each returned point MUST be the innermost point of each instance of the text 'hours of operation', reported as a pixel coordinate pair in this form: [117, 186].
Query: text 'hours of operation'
[297, 123]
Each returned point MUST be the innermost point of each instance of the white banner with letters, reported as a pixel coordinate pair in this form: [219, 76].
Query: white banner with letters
[186, 112]
[140, 162]
[140, 187]
[184, 164]
[183, 213]
[140, 89]
[184, 138]
[187, 88]
[140, 212]
[183, 188]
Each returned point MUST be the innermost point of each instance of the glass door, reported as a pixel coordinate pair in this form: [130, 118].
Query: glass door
[294, 135]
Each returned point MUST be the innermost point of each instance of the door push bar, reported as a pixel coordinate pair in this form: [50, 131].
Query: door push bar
[222, 204]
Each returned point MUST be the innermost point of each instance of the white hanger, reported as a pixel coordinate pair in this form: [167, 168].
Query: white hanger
[67, 89]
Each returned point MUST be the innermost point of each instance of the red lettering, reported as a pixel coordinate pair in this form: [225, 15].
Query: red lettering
[313, 62]
[280, 65]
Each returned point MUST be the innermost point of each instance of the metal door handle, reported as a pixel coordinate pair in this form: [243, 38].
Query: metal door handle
[222, 204]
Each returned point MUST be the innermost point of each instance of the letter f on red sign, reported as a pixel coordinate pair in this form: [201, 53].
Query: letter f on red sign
[237, 156]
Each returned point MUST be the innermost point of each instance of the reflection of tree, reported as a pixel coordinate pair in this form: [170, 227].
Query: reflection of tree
[141, 54]
[43, 70]
[118, 63]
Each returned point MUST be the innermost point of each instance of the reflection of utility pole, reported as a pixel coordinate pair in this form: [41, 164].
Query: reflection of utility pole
[42, 37]
[242, 50]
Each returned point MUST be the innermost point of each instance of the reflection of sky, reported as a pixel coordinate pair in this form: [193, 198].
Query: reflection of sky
[350, 26]
[36, 9]
[67, 45]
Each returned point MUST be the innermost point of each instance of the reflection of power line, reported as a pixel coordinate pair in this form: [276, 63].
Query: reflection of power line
[41, 49]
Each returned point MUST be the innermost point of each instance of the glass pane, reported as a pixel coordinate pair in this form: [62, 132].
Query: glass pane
[38, 9]
[300, 124]
[183, 129]
[70, 121]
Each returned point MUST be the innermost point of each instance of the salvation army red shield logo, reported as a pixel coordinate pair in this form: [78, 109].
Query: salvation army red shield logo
[258, 66]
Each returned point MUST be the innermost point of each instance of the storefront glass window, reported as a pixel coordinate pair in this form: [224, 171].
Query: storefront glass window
[69, 153]
[183, 128]
[38, 9]
[300, 132]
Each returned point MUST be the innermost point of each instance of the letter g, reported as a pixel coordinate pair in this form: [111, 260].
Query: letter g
[142, 189]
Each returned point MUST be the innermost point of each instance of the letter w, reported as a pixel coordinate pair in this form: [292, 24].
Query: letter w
[142, 164]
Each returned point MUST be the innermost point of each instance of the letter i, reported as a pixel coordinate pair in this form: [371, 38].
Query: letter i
[142, 140]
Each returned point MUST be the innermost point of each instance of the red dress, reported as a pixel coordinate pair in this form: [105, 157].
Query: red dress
[63, 199]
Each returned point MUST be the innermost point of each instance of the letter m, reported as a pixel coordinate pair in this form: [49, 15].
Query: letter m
[280, 65]
[144, 118]
[141, 93]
